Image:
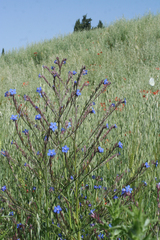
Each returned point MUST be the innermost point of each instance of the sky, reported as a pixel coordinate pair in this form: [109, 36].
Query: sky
[25, 22]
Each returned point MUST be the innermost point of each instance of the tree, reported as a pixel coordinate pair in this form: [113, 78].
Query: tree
[2, 51]
[77, 26]
[85, 25]
[100, 24]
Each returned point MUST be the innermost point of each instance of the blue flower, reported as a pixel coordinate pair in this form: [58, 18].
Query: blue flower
[51, 188]
[65, 149]
[19, 225]
[69, 124]
[57, 209]
[38, 117]
[11, 214]
[53, 126]
[7, 94]
[45, 138]
[105, 81]
[39, 90]
[100, 149]
[128, 189]
[123, 191]
[93, 176]
[14, 118]
[78, 93]
[25, 98]
[34, 188]
[92, 224]
[145, 183]
[51, 153]
[120, 145]
[12, 91]
[93, 111]
[85, 72]
[146, 164]
[25, 131]
[62, 130]
[3, 188]
[91, 212]
[115, 197]
[72, 178]
[101, 235]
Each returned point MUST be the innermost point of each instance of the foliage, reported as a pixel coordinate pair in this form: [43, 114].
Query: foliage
[86, 25]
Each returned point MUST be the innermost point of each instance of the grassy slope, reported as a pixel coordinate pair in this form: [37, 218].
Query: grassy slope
[129, 58]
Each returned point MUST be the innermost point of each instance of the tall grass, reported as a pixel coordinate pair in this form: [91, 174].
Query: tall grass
[127, 53]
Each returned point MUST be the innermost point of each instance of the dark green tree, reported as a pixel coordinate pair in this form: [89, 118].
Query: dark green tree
[77, 26]
[85, 25]
[2, 51]
[100, 24]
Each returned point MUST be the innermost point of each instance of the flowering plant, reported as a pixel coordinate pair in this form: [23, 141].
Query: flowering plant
[56, 202]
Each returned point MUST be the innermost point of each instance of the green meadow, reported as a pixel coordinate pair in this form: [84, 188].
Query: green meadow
[127, 54]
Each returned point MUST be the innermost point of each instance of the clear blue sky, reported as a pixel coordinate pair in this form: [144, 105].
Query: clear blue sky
[31, 21]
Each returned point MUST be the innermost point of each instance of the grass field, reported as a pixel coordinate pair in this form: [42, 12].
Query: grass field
[127, 54]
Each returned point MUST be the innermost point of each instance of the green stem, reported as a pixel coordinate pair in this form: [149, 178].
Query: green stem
[70, 222]
[46, 188]
[77, 199]
[65, 171]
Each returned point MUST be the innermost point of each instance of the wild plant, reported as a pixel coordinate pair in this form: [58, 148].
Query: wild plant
[51, 198]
